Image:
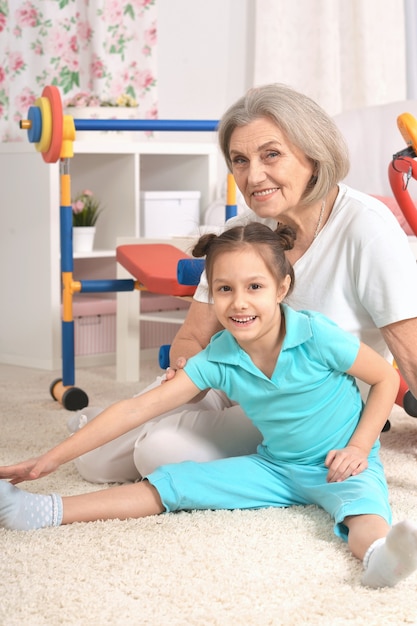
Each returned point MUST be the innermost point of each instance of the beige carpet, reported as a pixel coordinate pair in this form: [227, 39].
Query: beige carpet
[271, 567]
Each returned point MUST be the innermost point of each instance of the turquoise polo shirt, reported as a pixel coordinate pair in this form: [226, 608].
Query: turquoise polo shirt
[309, 405]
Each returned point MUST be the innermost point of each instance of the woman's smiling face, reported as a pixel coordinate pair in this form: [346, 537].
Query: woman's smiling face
[271, 173]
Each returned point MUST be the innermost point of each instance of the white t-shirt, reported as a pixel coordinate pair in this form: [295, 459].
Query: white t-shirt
[359, 271]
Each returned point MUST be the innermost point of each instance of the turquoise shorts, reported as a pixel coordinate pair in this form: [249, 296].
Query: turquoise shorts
[255, 482]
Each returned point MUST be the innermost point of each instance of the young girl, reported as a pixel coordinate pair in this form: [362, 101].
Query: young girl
[293, 373]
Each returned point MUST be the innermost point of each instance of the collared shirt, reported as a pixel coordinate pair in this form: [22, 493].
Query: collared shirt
[309, 405]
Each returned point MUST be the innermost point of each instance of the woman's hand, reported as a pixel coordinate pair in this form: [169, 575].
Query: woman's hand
[195, 333]
[170, 374]
[349, 461]
[193, 336]
[171, 371]
[28, 470]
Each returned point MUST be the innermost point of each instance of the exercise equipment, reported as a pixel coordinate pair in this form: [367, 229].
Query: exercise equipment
[53, 135]
[401, 169]
[49, 129]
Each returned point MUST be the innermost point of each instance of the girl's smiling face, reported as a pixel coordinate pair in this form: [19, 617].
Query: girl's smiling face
[271, 173]
[246, 297]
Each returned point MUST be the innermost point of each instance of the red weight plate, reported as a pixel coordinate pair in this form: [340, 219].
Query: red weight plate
[53, 153]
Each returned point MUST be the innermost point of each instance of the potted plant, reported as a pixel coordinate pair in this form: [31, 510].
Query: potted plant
[85, 212]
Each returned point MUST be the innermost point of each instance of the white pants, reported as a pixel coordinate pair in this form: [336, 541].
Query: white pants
[213, 428]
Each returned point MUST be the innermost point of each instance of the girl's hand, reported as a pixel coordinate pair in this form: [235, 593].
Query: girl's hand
[349, 461]
[28, 470]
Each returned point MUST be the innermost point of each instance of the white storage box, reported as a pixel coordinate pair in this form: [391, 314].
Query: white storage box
[169, 213]
[95, 323]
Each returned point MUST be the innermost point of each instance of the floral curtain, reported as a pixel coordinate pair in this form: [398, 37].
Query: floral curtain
[104, 48]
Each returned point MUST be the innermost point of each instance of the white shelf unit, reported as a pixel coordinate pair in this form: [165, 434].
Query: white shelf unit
[30, 312]
[129, 317]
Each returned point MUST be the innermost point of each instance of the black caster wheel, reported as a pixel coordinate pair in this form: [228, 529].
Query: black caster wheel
[71, 398]
[410, 404]
[52, 386]
[74, 399]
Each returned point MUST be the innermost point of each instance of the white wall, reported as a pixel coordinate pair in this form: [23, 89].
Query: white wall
[205, 63]
[205, 53]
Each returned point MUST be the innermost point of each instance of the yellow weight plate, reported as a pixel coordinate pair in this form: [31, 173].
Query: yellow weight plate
[46, 114]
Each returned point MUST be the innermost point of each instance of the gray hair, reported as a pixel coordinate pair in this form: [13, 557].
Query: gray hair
[305, 125]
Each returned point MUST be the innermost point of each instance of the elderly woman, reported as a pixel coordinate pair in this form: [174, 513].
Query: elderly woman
[351, 259]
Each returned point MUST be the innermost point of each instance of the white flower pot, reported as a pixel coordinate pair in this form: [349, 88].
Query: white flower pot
[83, 238]
[103, 113]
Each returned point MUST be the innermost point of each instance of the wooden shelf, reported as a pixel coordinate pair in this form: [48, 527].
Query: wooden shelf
[95, 254]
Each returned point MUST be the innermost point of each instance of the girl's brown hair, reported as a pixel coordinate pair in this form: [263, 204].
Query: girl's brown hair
[271, 246]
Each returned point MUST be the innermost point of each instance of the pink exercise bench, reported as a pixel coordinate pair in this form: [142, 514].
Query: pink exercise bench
[154, 265]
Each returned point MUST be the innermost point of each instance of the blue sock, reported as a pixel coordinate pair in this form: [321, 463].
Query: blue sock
[21, 510]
